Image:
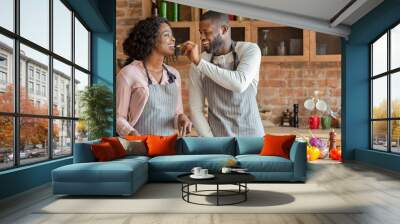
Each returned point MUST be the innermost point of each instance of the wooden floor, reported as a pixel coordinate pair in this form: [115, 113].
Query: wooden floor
[378, 189]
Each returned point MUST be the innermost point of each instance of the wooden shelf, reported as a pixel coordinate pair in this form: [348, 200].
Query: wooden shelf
[332, 48]
[247, 30]
[237, 27]
[282, 34]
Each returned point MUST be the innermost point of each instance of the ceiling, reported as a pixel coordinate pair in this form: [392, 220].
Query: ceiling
[324, 16]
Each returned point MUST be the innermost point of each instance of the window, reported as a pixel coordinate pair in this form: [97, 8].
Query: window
[44, 91]
[38, 89]
[7, 14]
[62, 31]
[55, 99]
[81, 45]
[62, 130]
[81, 81]
[7, 143]
[37, 74]
[3, 61]
[30, 87]
[41, 83]
[35, 22]
[3, 78]
[385, 94]
[3, 71]
[30, 72]
[62, 75]
[7, 86]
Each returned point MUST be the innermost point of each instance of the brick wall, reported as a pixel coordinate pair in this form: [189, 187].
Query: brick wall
[281, 84]
[129, 12]
[284, 84]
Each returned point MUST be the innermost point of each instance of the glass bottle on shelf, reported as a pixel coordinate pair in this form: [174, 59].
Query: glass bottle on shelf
[154, 8]
[240, 18]
[163, 9]
[175, 12]
[281, 48]
[264, 43]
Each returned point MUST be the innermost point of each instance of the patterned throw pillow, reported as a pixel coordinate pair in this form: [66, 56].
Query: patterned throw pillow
[134, 147]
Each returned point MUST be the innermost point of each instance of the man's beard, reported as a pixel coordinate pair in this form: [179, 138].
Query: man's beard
[215, 45]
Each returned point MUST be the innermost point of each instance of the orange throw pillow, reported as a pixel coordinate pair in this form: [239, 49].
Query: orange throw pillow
[135, 137]
[103, 152]
[116, 145]
[275, 145]
[161, 145]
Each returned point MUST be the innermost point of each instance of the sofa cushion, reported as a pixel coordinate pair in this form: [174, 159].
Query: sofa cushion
[131, 158]
[249, 145]
[257, 163]
[207, 145]
[112, 171]
[185, 163]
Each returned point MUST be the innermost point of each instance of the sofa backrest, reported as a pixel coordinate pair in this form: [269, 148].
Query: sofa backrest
[249, 145]
[83, 153]
[207, 145]
[190, 146]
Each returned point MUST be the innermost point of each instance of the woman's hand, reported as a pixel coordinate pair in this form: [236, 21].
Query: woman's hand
[184, 125]
[192, 51]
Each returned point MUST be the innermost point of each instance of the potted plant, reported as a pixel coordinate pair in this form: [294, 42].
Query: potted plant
[96, 102]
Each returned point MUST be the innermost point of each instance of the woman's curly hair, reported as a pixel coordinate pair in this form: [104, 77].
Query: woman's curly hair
[142, 38]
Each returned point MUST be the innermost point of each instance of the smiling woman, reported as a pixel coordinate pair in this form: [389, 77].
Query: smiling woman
[149, 100]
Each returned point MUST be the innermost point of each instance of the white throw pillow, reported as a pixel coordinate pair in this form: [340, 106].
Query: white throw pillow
[133, 147]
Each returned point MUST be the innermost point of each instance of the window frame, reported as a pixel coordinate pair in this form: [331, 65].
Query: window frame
[388, 74]
[16, 114]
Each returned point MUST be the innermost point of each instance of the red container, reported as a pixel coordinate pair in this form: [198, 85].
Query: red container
[313, 122]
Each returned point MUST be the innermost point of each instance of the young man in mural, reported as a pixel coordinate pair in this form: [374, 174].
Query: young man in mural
[149, 100]
[226, 74]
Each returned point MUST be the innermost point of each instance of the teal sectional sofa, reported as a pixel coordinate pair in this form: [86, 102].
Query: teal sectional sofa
[125, 176]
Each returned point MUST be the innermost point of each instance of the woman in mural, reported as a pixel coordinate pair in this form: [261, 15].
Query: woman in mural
[149, 100]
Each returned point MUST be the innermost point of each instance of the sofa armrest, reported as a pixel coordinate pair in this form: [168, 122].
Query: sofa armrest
[83, 152]
[298, 155]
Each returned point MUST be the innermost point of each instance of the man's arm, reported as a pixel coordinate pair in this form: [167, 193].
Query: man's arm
[239, 80]
[196, 103]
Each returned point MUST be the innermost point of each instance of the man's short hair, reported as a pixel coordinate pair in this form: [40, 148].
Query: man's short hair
[220, 18]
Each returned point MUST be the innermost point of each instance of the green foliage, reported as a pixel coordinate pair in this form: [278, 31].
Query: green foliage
[97, 103]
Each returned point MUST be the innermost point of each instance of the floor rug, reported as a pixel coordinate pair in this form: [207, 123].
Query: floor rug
[167, 198]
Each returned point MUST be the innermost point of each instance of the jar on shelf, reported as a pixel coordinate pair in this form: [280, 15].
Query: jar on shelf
[264, 43]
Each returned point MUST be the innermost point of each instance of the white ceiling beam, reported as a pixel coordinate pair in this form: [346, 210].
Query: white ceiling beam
[347, 12]
[276, 16]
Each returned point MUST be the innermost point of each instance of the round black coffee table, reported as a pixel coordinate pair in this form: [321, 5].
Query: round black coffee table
[238, 179]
